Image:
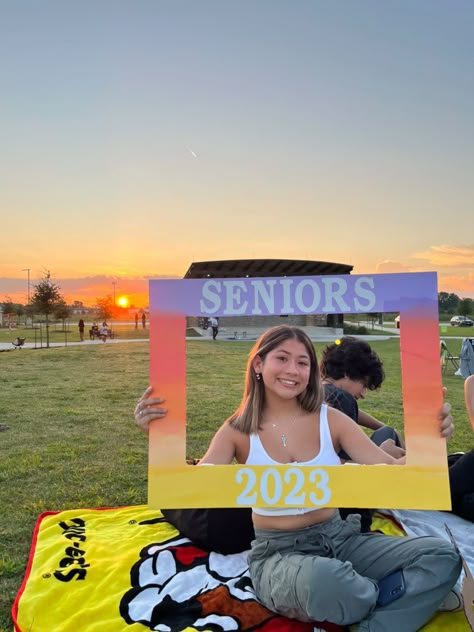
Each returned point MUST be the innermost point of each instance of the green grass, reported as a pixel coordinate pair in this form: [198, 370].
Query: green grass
[448, 331]
[71, 440]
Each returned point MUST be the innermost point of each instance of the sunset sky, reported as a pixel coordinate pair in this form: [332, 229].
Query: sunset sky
[140, 136]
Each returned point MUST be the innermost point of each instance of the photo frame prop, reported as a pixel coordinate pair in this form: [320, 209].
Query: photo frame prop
[421, 484]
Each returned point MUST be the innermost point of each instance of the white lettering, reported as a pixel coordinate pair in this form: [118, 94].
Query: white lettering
[307, 309]
[329, 295]
[365, 293]
[335, 288]
[233, 294]
[286, 307]
[208, 294]
[265, 291]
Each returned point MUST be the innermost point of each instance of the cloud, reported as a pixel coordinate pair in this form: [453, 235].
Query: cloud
[452, 263]
[462, 285]
[387, 266]
[448, 256]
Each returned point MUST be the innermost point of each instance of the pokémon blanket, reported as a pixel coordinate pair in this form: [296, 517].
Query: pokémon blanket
[128, 570]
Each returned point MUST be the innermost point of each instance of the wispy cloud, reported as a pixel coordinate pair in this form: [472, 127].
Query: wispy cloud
[448, 256]
[388, 266]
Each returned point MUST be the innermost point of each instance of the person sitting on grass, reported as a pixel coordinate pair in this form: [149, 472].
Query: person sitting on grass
[461, 466]
[349, 368]
[306, 563]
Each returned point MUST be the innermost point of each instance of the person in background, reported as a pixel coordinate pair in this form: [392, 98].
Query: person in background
[136, 320]
[307, 563]
[143, 320]
[214, 323]
[104, 331]
[349, 368]
[81, 329]
[461, 466]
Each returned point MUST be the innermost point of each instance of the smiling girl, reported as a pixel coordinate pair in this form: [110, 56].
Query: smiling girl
[308, 563]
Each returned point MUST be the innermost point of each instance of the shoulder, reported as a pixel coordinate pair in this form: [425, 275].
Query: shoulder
[229, 434]
[340, 424]
[227, 444]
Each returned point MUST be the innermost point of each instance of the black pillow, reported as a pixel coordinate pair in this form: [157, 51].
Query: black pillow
[228, 530]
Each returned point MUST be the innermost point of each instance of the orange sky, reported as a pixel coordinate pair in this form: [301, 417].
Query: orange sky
[185, 132]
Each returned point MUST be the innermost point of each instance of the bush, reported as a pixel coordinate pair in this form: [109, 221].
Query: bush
[354, 330]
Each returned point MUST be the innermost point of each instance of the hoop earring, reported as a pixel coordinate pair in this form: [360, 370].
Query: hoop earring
[258, 377]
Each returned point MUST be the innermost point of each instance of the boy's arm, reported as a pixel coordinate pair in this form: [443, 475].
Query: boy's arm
[368, 421]
[373, 423]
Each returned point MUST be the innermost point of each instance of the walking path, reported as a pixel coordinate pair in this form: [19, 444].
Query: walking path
[225, 334]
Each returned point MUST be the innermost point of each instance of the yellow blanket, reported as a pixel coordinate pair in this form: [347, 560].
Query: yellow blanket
[127, 569]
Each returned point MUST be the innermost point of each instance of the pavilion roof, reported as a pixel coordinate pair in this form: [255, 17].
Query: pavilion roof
[238, 268]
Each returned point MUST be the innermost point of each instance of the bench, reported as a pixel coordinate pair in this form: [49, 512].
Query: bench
[96, 334]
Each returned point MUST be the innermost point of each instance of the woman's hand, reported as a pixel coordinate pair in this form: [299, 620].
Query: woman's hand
[446, 427]
[147, 410]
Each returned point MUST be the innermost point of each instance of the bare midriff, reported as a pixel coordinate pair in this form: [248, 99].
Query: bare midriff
[293, 523]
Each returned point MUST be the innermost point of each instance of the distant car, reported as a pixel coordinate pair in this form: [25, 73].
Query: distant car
[461, 321]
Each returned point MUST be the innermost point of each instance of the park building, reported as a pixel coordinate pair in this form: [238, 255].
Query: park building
[251, 326]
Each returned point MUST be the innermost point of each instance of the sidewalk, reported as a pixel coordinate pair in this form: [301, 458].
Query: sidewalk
[248, 334]
[8, 346]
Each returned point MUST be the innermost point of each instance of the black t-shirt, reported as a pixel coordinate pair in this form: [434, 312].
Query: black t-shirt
[341, 400]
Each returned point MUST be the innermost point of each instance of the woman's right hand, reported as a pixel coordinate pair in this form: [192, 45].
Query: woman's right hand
[147, 410]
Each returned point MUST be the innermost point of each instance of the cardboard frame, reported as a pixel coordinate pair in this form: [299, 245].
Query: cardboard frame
[421, 484]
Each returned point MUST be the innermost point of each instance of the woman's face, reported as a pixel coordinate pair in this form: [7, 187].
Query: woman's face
[285, 370]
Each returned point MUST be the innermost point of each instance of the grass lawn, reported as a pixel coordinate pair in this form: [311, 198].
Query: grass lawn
[71, 441]
[448, 331]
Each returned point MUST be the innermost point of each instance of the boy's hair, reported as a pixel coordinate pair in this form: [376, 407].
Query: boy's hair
[355, 359]
[248, 415]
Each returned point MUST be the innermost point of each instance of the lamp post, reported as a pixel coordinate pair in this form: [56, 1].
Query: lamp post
[27, 270]
[113, 283]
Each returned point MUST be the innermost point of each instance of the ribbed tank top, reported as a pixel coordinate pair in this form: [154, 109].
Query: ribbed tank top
[326, 456]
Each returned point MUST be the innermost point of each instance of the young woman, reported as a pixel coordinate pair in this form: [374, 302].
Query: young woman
[307, 563]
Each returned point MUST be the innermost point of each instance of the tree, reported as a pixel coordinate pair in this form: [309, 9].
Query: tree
[106, 308]
[45, 299]
[465, 306]
[8, 307]
[62, 311]
[448, 303]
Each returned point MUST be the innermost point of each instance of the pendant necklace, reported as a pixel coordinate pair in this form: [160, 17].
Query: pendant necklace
[283, 437]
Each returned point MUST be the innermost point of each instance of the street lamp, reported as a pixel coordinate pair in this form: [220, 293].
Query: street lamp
[113, 283]
[27, 270]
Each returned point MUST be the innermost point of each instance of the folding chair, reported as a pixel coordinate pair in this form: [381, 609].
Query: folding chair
[446, 357]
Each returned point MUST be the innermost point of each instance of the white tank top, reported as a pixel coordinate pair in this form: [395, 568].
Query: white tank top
[326, 456]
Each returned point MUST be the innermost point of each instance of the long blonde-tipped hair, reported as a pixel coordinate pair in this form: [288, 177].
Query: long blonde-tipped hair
[248, 415]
